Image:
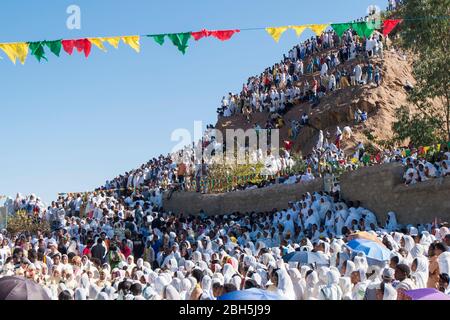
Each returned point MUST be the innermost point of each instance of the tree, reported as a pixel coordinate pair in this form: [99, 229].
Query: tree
[425, 32]
[420, 129]
[22, 222]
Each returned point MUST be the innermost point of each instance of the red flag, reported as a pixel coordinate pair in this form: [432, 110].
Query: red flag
[389, 25]
[68, 46]
[200, 34]
[81, 45]
[224, 35]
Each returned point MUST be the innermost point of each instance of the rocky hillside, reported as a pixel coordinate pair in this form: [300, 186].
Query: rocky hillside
[337, 108]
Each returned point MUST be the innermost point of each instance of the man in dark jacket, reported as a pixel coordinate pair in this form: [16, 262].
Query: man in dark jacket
[99, 251]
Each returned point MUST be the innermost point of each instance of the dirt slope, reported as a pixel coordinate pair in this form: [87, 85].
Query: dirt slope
[337, 108]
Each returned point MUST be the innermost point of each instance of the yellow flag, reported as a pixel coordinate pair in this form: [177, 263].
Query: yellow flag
[354, 160]
[132, 41]
[15, 51]
[98, 42]
[114, 41]
[318, 28]
[276, 33]
[438, 147]
[299, 29]
[426, 149]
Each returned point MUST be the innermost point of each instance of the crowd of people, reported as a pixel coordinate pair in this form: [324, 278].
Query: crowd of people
[418, 169]
[127, 248]
[312, 69]
[118, 243]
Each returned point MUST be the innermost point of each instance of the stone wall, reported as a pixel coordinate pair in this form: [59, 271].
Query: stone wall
[381, 189]
[276, 196]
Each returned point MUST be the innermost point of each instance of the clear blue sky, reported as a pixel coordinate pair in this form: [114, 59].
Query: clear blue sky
[71, 123]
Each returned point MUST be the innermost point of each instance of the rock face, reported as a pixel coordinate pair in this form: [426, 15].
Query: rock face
[337, 108]
[381, 189]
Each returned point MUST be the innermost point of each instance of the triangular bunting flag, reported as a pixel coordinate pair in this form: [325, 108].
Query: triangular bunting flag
[159, 38]
[200, 34]
[224, 35]
[133, 42]
[340, 28]
[54, 46]
[15, 51]
[114, 41]
[68, 46]
[180, 40]
[299, 29]
[37, 50]
[318, 28]
[81, 45]
[389, 25]
[276, 33]
[362, 29]
[98, 42]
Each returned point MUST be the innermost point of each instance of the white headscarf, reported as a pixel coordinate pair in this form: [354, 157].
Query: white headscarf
[350, 267]
[322, 273]
[389, 292]
[186, 286]
[312, 289]
[444, 262]
[172, 293]
[420, 276]
[331, 291]
[392, 225]
[409, 243]
[296, 278]
[285, 286]
[236, 280]
[93, 292]
[361, 262]
[207, 288]
[80, 294]
[346, 286]
[102, 296]
[228, 272]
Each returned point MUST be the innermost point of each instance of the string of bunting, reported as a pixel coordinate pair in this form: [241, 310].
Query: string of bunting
[20, 50]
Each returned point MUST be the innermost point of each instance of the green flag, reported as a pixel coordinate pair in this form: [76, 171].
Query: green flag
[159, 38]
[366, 159]
[408, 153]
[362, 29]
[54, 46]
[180, 40]
[37, 50]
[340, 28]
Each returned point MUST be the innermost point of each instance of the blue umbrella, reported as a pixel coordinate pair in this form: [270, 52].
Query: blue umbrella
[305, 257]
[251, 294]
[372, 249]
